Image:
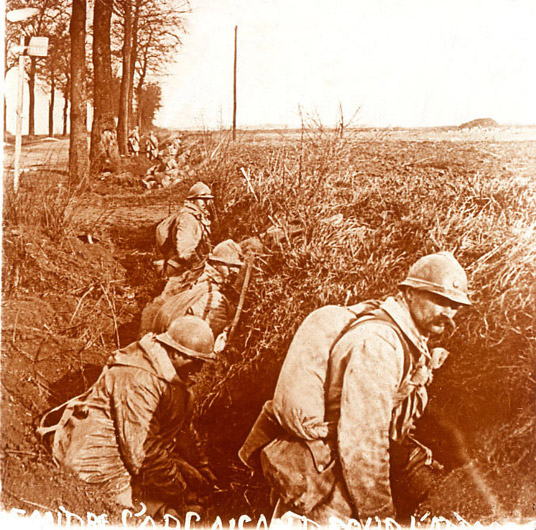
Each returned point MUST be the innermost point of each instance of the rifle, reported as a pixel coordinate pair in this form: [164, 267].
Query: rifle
[249, 269]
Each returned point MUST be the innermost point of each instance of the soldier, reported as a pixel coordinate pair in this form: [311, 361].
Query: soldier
[126, 431]
[151, 146]
[134, 141]
[366, 386]
[184, 238]
[212, 297]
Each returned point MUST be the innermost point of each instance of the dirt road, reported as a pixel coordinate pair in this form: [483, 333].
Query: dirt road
[47, 153]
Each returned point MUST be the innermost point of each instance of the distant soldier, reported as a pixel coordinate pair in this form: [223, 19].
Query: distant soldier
[174, 146]
[108, 139]
[184, 238]
[134, 142]
[151, 146]
[213, 297]
[131, 431]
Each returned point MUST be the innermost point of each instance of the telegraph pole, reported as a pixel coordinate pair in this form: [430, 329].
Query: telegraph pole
[234, 82]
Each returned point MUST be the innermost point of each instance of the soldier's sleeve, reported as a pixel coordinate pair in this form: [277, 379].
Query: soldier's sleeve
[371, 380]
[134, 403]
[188, 234]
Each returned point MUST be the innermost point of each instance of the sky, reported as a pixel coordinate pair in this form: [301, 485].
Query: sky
[401, 62]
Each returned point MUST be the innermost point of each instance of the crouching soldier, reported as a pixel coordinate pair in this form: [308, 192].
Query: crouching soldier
[130, 432]
[184, 237]
[213, 297]
[336, 440]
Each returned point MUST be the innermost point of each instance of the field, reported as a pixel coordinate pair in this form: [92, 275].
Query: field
[353, 214]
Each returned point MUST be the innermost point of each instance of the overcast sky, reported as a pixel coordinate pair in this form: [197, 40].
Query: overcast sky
[404, 62]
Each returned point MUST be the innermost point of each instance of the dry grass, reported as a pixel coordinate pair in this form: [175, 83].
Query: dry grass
[368, 209]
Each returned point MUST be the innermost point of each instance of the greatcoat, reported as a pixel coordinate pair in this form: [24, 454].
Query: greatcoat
[374, 390]
[123, 432]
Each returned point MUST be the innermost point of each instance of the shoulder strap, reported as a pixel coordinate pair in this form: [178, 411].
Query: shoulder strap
[379, 315]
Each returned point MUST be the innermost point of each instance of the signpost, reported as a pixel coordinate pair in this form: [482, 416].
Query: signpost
[38, 47]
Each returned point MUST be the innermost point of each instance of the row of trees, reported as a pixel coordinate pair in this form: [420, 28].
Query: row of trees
[110, 52]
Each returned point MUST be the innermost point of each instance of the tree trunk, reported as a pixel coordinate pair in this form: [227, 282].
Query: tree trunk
[103, 153]
[78, 152]
[139, 88]
[123, 121]
[51, 105]
[31, 106]
[133, 58]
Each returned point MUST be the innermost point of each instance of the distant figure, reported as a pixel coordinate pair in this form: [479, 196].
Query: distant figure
[173, 147]
[108, 138]
[134, 142]
[151, 146]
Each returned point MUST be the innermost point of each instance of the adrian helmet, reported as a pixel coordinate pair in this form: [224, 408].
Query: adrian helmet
[227, 252]
[200, 191]
[190, 336]
[441, 274]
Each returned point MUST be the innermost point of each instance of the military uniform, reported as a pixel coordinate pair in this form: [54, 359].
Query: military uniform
[123, 432]
[191, 240]
[204, 299]
[375, 389]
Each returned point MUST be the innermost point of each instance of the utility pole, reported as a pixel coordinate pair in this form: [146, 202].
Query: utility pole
[234, 82]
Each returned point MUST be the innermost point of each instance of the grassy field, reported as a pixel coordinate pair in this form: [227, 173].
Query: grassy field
[353, 214]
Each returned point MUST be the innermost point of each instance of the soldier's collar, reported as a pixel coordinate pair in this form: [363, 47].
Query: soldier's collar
[399, 312]
[159, 358]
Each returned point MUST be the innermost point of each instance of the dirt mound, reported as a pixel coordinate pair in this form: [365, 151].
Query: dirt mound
[481, 122]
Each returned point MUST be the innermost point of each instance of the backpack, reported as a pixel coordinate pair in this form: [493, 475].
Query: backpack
[178, 305]
[290, 438]
[164, 234]
[299, 397]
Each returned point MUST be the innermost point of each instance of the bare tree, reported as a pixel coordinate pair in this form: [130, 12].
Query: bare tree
[40, 25]
[149, 101]
[78, 151]
[126, 77]
[55, 69]
[160, 25]
[103, 113]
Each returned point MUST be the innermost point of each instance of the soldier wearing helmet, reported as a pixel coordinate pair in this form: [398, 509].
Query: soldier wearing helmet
[190, 232]
[213, 297]
[124, 432]
[373, 389]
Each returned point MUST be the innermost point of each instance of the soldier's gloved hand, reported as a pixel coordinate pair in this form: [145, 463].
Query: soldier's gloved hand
[193, 477]
[207, 473]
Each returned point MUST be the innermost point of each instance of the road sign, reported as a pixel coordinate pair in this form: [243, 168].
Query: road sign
[38, 46]
[18, 15]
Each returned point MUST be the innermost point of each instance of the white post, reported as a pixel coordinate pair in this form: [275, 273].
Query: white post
[18, 133]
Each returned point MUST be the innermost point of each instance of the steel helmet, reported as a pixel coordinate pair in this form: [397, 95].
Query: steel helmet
[200, 191]
[440, 274]
[227, 252]
[190, 336]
